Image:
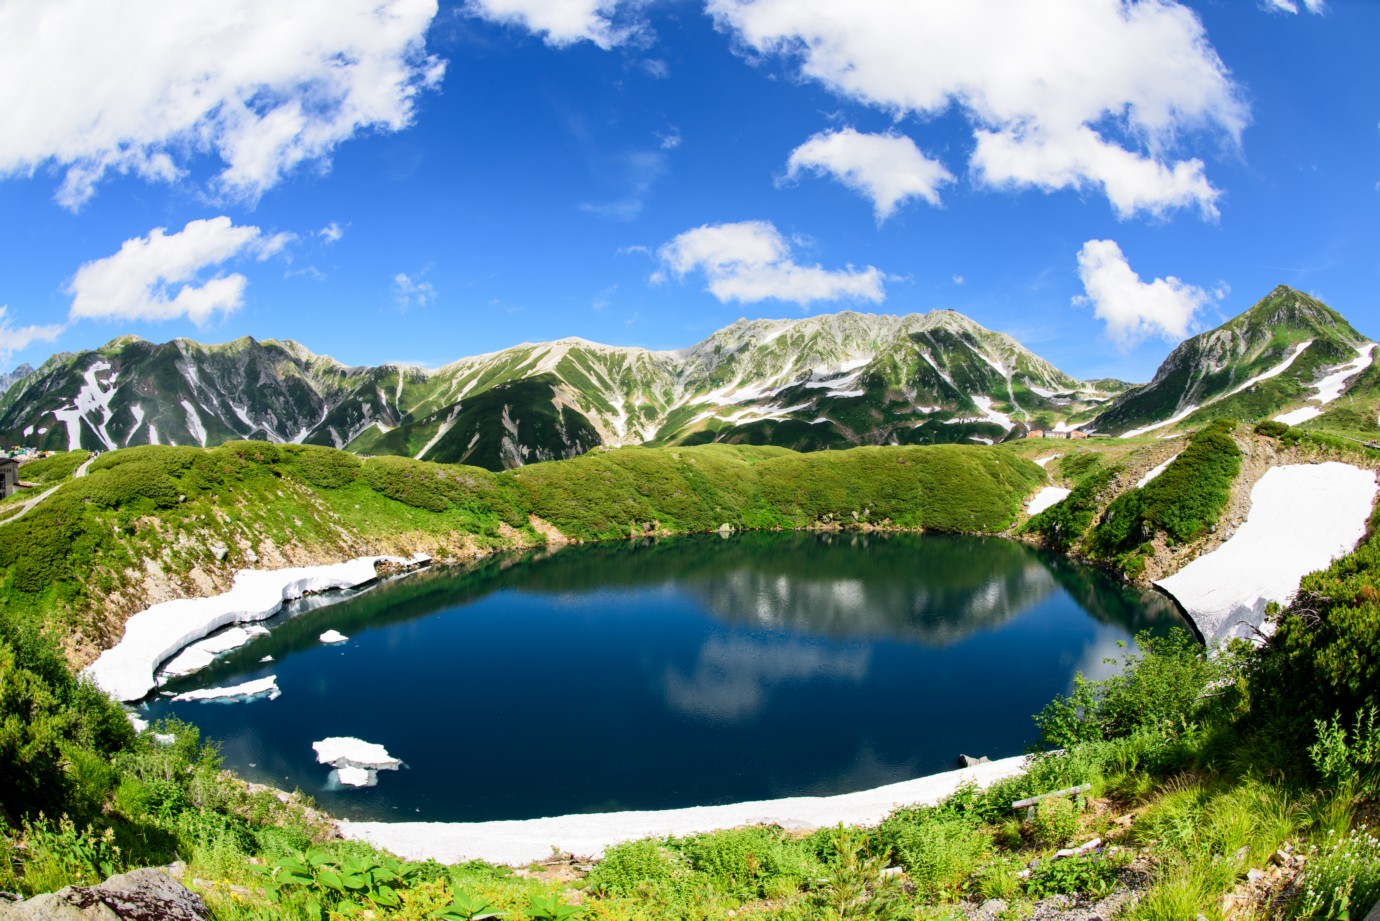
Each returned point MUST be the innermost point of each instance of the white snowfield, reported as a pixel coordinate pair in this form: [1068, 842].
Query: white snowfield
[1330, 387]
[521, 842]
[259, 687]
[126, 671]
[1044, 461]
[1301, 519]
[1049, 496]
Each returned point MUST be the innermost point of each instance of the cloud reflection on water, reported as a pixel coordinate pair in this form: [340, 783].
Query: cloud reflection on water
[734, 676]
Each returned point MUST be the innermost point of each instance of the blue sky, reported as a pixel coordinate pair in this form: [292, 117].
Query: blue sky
[402, 180]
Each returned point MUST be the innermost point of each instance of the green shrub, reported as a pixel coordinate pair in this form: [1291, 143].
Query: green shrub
[1348, 757]
[1158, 685]
[1271, 428]
[58, 854]
[742, 861]
[1087, 874]
[938, 849]
[644, 867]
[1055, 821]
[1341, 879]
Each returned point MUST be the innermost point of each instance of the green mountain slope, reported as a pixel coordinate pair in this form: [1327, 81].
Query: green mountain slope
[1251, 367]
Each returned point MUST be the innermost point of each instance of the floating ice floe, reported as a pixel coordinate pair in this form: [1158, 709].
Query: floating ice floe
[203, 652]
[126, 671]
[356, 762]
[1046, 498]
[355, 777]
[259, 687]
[524, 841]
[1156, 471]
[1302, 518]
[333, 636]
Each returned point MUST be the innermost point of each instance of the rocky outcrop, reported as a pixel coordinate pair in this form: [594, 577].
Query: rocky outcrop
[140, 895]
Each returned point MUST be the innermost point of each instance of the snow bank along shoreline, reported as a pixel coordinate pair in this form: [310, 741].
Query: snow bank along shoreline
[126, 671]
[1302, 517]
[523, 841]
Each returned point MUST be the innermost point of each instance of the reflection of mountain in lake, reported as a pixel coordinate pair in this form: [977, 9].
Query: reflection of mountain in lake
[932, 590]
[926, 590]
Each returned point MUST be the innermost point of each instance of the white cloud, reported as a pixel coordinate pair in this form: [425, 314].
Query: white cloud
[888, 169]
[637, 171]
[13, 340]
[959, 279]
[559, 22]
[412, 292]
[1290, 6]
[1061, 94]
[1132, 309]
[94, 87]
[157, 277]
[331, 233]
[751, 261]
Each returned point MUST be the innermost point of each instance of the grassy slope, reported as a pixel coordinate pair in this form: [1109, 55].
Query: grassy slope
[83, 559]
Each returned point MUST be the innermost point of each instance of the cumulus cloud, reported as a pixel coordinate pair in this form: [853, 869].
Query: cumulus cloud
[160, 276]
[412, 292]
[1064, 94]
[887, 169]
[95, 88]
[751, 261]
[1132, 309]
[14, 339]
[331, 233]
[559, 22]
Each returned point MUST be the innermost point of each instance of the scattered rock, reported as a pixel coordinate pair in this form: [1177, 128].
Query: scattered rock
[220, 551]
[969, 761]
[140, 895]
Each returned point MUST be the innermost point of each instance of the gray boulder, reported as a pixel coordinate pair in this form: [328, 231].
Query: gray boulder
[140, 895]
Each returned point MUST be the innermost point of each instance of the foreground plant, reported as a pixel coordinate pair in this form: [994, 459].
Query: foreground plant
[328, 884]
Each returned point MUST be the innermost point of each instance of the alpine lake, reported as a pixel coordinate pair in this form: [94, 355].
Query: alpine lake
[687, 671]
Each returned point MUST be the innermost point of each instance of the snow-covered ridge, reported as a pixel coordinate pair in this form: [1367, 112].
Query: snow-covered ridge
[524, 841]
[126, 671]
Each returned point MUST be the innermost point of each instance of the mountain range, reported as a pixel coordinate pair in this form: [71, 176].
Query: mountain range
[831, 381]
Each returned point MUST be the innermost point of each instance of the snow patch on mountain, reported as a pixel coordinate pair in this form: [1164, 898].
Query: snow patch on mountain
[1330, 387]
[194, 423]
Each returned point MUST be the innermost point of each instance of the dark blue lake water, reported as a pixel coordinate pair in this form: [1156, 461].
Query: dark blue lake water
[692, 671]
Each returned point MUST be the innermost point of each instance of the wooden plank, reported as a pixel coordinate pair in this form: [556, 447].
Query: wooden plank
[1022, 803]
